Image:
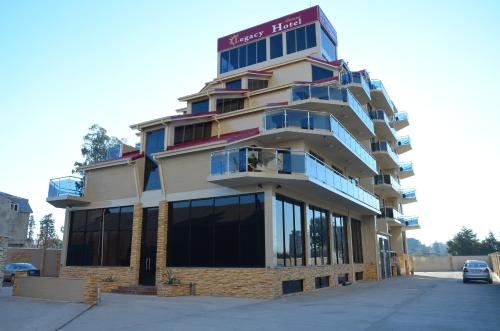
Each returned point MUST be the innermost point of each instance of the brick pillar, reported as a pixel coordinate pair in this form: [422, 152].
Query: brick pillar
[90, 293]
[135, 253]
[370, 248]
[161, 248]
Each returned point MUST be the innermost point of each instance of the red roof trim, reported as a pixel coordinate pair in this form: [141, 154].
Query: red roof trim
[134, 155]
[227, 137]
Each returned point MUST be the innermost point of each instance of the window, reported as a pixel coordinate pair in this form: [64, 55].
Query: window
[301, 38]
[320, 73]
[100, 237]
[292, 286]
[217, 232]
[276, 43]
[199, 107]
[339, 231]
[320, 282]
[14, 206]
[243, 56]
[229, 105]
[328, 47]
[357, 244]
[188, 133]
[155, 141]
[234, 84]
[319, 240]
[257, 84]
[289, 238]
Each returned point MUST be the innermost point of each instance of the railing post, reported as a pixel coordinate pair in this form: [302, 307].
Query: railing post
[308, 122]
[285, 119]
[227, 168]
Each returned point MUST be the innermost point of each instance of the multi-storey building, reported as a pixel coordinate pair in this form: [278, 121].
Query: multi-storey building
[280, 175]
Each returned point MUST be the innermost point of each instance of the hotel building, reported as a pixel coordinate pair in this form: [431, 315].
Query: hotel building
[280, 175]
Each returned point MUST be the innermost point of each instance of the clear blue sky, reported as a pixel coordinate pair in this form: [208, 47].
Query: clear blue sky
[65, 65]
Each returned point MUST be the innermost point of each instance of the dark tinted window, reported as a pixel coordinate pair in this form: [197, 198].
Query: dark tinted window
[199, 106]
[300, 39]
[357, 245]
[276, 46]
[155, 141]
[243, 56]
[339, 233]
[289, 238]
[224, 62]
[218, 232]
[261, 51]
[235, 84]
[292, 286]
[319, 239]
[228, 105]
[311, 35]
[233, 59]
[251, 54]
[320, 73]
[257, 84]
[187, 133]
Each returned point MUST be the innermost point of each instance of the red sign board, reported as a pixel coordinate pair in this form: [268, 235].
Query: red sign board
[269, 28]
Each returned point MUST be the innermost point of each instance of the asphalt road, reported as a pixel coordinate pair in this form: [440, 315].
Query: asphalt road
[426, 301]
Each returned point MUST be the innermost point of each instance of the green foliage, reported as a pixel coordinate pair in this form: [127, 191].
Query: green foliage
[47, 235]
[31, 228]
[465, 242]
[95, 145]
[490, 244]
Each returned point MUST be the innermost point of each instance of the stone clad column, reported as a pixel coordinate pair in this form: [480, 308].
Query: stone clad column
[135, 253]
[370, 248]
[161, 248]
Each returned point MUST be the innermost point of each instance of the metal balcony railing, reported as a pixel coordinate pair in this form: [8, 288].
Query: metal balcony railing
[376, 84]
[383, 146]
[356, 78]
[66, 186]
[388, 180]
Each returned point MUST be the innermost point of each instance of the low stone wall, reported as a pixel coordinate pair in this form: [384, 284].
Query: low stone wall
[495, 262]
[175, 290]
[107, 278]
[443, 263]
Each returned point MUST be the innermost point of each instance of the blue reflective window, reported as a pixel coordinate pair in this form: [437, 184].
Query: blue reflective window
[199, 107]
[328, 47]
[224, 62]
[243, 56]
[320, 73]
[251, 54]
[154, 143]
[301, 38]
[276, 46]
[234, 84]
[300, 35]
[290, 42]
[311, 35]
[261, 50]
[233, 59]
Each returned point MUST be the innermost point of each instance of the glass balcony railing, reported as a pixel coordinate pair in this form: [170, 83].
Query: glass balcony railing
[406, 167]
[383, 146]
[400, 117]
[276, 161]
[387, 180]
[312, 120]
[390, 213]
[113, 152]
[66, 186]
[411, 220]
[404, 141]
[409, 193]
[380, 115]
[376, 84]
[356, 78]
[305, 92]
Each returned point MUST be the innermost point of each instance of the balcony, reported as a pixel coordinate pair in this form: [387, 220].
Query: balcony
[380, 97]
[66, 192]
[406, 170]
[385, 156]
[383, 128]
[387, 186]
[324, 132]
[411, 222]
[400, 121]
[357, 84]
[339, 102]
[403, 144]
[391, 216]
[408, 195]
[295, 170]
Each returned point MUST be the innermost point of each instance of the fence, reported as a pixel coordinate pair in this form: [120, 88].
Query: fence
[443, 263]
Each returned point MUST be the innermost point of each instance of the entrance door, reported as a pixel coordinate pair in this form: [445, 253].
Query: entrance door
[147, 273]
[385, 257]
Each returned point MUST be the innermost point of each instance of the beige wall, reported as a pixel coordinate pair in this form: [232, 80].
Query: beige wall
[238, 123]
[34, 256]
[60, 289]
[110, 183]
[443, 263]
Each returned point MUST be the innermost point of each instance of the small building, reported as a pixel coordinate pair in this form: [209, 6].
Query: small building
[14, 215]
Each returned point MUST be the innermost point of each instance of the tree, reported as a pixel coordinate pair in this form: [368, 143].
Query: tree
[465, 242]
[47, 237]
[490, 244]
[31, 229]
[95, 145]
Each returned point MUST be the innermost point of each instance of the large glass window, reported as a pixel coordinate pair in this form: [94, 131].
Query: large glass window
[357, 244]
[100, 237]
[339, 231]
[319, 239]
[199, 106]
[257, 84]
[276, 43]
[301, 38]
[319, 73]
[217, 232]
[289, 238]
[188, 133]
[155, 142]
[228, 105]
[328, 47]
[243, 56]
[234, 84]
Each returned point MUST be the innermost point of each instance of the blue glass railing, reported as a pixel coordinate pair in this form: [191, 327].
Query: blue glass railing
[387, 180]
[406, 167]
[409, 193]
[277, 161]
[380, 115]
[400, 117]
[402, 141]
[411, 220]
[390, 213]
[66, 186]
[356, 78]
[383, 146]
[305, 92]
[376, 84]
[313, 120]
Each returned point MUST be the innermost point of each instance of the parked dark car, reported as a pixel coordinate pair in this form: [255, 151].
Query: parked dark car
[10, 269]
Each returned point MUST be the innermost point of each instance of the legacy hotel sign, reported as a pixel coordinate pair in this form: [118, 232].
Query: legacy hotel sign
[275, 26]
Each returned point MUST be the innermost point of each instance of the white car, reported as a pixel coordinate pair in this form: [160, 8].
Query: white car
[476, 270]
